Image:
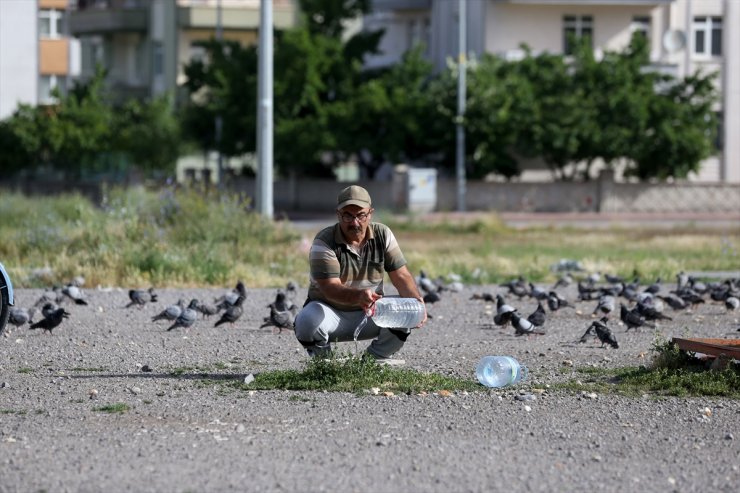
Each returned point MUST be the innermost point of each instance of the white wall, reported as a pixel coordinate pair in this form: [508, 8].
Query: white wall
[18, 55]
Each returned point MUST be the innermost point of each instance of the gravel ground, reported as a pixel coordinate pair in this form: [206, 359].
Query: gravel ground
[182, 434]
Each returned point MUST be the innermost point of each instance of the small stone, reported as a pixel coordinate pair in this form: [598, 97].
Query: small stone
[388, 393]
[135, 390]
[4, 385]
[444, 393]
[590, 395]
[146, 369]
[249, 379]
[729, 436]
[239, 428]
[538, 391]
[375, 390]
[93, 393]
[706, 412]
[526, 397]
[567, 362]
[527, 408]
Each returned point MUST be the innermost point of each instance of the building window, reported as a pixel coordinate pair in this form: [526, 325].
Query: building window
[47, 84]
[578, 26]
[708, 36]
[641, 26]
[51, 23]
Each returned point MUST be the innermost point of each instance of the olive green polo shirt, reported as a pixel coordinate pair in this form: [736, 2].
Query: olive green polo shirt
[331, 257]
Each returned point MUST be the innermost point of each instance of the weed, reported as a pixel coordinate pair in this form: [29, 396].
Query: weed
[356, 374]
[118, 408]
[25, 370]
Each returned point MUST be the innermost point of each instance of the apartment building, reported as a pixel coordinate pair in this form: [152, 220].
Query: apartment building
[683, 35]
[36, 53]
[144, 44]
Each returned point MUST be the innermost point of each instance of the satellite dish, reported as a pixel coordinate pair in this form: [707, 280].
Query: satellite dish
[674, 40]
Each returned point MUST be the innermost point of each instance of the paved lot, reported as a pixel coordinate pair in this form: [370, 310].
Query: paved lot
[185, 430]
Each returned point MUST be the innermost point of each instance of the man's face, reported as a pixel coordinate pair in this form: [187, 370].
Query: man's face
[353, 220]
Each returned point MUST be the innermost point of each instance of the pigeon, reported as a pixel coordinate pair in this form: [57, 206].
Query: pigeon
[187, 317]
[78, 281]
[503, 311]
[674, 302]
[171, 312]
[651, 313]
[536, 292]
[556, 302]
[732, 303]
[291, 290]
[431, 298]
[282, 314]
[563, 282]
[50, 296]
[52, 321]
[229, 299]
[426, 284]
[483, 296]
[586, 293]
[523, 326]
[605, 306]
[19, 316]
[537, 317]
[141, 297]
[232, 313]
[682, 280]
[632, 319]
[599, 329]
[206, 309]
[48, 309]
[517, 287]
[613, 279]
[593, 278]
[654, 288]
[74, 293]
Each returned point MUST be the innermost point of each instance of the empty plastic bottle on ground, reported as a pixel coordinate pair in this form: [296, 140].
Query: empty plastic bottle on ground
[499, 371]
[397, 312]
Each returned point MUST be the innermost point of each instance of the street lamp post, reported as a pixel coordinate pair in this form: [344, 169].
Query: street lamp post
[461, 68]
[264, 115]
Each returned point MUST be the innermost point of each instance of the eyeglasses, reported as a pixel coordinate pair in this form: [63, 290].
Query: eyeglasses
[361, 217]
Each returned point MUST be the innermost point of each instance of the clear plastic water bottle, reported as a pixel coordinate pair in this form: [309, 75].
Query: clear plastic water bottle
[397, 312]
[499, 371]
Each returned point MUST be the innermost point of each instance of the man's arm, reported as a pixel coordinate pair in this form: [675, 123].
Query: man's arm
[337, 292]
[406, 285]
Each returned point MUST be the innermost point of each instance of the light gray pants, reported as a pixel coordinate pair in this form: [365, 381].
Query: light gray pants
[318, 325]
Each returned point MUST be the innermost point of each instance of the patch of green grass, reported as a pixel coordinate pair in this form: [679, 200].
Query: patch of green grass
[18, 412]
[117, 408]
[356, 375]
[25, 370]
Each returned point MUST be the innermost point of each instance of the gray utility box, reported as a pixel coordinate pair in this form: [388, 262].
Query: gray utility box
[414, 189]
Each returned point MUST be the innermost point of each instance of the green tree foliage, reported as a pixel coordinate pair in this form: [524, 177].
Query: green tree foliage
[76, 135]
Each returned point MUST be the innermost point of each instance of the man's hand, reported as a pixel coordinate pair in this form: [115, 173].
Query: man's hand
[367, 297]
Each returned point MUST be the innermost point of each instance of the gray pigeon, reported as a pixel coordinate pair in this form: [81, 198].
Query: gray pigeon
[605, 334]
[537, 317]
[48, 309]
[187, 317]
[206, 309]
[141, 297]
[74, 293]
[229, 299]
[282, 314]
[522, 326]
[503, 311]
[232, 313]
[19, 316]
[605, 306]
[171, 312]
[732, 303]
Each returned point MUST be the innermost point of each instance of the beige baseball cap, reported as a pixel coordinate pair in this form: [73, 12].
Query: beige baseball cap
[353, 195]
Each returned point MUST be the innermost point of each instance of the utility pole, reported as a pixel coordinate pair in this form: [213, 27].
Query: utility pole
[219, 118]
[461, 68]
[264, 112]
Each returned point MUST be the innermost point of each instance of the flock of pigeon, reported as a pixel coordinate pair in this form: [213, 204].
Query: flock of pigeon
[636, 305]
[281, 317]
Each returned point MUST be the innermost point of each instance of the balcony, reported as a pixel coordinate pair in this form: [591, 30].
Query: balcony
[384, 5]
[238, 18]
[101, 21]
[644, 3]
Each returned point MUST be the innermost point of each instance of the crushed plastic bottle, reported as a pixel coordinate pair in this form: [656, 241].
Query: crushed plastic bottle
[397, 312]
[500, 371]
